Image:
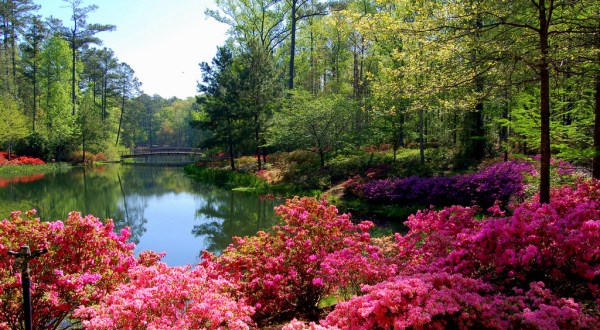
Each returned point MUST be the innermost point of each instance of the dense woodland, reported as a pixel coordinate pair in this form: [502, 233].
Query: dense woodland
[470, 78]
[64, 95]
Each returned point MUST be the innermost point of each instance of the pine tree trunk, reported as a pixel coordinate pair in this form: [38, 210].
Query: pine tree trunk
[292, 46]
[73, 97]
[258, 149]
[121, 118]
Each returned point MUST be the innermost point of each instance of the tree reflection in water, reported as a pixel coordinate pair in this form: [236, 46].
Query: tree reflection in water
[127, 193]
[228, 213]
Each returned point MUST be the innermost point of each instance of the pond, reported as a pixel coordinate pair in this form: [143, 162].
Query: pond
[165, 210]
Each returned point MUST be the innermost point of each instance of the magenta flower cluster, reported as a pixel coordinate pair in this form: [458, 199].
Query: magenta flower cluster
[537, 269]
[500, 181]
[314, 253]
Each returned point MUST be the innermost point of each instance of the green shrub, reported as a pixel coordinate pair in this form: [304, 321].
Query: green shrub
[296, 157]
[227, 178]
[345, 166]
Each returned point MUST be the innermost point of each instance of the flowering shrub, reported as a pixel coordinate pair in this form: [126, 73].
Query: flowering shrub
[438, 301]
[85, 261]
[432, 235]
[556, 243]
[311, 255]
[562, 167]
[163, 297]
[15, 160]
[299, 325]
[442, 301]
[269, 176]
[497, 182]
[90, 158]
[538, 268]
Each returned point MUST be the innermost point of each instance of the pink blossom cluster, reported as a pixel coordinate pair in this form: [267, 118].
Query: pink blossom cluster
[537, 268]
[556, 243]
[314, 253]
[161, 297]
[85, 261]
[445, 301]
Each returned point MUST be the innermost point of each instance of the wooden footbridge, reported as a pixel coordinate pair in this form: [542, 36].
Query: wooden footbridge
[165, 151]
[151, 152]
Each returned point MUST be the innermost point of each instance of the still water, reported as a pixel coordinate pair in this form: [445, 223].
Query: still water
[165, 210]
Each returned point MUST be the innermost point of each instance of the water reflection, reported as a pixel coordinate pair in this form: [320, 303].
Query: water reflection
[165, 210]
[225, 217]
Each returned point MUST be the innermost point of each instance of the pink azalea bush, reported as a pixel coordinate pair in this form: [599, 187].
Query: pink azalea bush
[556, 243]
[85, 261]
[442, 301]
[161, 297]
[312, 254]
[538, 268]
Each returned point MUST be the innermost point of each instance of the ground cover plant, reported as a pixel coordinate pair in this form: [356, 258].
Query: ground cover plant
[530, 266]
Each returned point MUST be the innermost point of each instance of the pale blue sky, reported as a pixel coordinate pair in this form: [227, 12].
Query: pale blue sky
[162, 40]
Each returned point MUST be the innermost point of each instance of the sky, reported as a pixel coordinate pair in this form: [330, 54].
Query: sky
[162, 40]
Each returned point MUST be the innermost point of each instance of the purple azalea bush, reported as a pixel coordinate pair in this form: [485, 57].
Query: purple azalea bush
[499, 181]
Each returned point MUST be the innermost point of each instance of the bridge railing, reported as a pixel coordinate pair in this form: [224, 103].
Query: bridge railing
[158, 150]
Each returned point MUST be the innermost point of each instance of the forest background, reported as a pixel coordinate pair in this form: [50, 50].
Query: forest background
[463, 80]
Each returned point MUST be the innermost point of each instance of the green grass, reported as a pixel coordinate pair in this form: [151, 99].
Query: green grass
[225, 178]
[9, 171]
[248, 182]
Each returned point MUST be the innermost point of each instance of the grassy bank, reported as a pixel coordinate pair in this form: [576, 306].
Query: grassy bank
[9, 171]
[245, 182]
[225, 178]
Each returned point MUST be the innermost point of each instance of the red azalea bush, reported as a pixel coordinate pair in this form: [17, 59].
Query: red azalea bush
[162, 297]
[15, 160]
[313, 254]
[85, 261]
